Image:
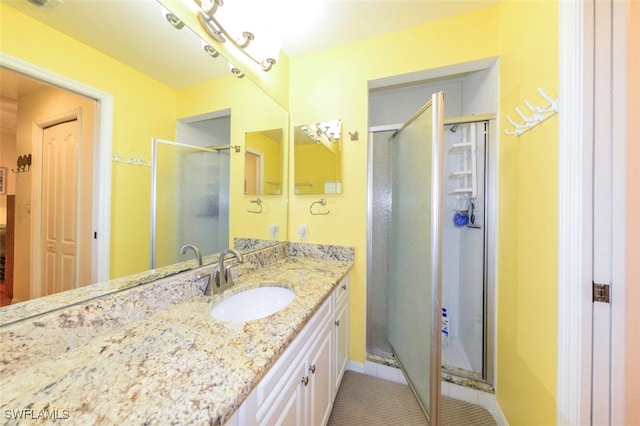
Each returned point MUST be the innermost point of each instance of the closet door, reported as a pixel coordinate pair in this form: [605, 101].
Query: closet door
[415, 272]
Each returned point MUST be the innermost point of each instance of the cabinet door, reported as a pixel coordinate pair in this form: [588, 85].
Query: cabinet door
[289, 407]
[340, 333]
[341, 336]
[320, 372]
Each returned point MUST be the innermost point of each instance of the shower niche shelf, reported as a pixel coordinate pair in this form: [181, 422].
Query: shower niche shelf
[459, 148]
[467, 172]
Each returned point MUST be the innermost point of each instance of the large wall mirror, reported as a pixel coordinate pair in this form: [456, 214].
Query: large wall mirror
[317, 158]
[137, 119]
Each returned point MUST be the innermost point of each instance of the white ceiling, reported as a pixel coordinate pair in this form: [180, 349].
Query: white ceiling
[134, 32]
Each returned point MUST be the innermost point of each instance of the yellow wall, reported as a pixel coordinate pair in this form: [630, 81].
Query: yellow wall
[251, 110]
[527, 176]
[527, 214]
[143, 108]
[333, 84]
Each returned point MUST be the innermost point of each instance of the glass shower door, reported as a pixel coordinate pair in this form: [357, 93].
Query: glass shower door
[189, 201]
[414, 268]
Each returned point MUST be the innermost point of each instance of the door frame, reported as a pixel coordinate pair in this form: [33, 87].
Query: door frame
[260, 171]
[578, 68]
[103, 135]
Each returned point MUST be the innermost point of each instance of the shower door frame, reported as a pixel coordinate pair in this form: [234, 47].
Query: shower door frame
[490, 214]
[372, 130]
[154, 189]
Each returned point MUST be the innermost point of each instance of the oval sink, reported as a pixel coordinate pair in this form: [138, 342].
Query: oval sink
[253, 304]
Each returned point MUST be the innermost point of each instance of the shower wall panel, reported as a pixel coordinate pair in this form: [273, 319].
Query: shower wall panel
[380, 194]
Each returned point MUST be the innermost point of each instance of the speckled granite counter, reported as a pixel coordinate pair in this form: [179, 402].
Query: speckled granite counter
[172, 365]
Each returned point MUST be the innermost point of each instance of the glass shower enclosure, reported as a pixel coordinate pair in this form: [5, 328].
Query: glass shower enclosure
[414, 271]
[189, 200]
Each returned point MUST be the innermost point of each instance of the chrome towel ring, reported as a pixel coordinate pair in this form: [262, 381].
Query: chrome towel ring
[322, 202]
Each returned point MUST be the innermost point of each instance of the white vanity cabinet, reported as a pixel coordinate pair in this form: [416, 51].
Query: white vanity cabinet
[340, 332]
[301, 386]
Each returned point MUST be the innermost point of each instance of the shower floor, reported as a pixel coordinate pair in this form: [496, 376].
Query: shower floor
[453, 354]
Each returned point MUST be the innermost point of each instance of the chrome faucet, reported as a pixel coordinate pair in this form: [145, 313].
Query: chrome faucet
[222, 276]
[196, 250]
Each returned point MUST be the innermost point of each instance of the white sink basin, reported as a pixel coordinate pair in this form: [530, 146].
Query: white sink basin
[253, 304]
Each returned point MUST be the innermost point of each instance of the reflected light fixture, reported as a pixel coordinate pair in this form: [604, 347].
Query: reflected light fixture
[171, 18]
[209, 49]
[212, 25]
[235, 70]
[326, 133]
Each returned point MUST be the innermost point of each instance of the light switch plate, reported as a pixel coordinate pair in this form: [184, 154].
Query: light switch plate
[273, 228]
[302, 232]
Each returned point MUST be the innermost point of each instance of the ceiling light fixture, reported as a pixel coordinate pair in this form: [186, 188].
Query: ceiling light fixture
[206, 16]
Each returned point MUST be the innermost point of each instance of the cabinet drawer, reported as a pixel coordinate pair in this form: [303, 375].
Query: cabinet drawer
[341, 292]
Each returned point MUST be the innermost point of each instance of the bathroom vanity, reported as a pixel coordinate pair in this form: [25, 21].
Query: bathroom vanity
[153, 354]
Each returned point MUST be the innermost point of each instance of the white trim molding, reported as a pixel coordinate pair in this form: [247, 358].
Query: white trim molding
[575, 241]
[620, 13]
[102, 162]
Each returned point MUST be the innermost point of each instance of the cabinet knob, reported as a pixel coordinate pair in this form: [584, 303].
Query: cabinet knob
[344, 286]
[337, 323]
[305, 380]
[312, 369]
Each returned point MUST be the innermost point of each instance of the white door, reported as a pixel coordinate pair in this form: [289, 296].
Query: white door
[60, 191]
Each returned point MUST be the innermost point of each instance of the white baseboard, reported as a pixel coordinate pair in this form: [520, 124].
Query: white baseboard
[355, 366]
[486, 400]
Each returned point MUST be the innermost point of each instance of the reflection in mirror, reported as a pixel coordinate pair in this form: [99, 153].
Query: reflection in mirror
[190, 200]
[263, 162]
[317, 160]
[143, 106]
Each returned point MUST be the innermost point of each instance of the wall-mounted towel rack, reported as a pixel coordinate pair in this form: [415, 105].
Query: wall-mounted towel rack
[131, 158]
[258, 202]
[539, 115]
[322, 202]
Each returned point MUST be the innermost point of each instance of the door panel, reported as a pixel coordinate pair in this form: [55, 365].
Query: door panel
[414, 272]
[60, 206]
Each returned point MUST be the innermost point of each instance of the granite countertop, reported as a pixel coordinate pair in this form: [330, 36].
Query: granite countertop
[176, 366]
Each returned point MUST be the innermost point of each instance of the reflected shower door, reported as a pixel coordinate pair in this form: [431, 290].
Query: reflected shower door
[189, 201]
[414, 269]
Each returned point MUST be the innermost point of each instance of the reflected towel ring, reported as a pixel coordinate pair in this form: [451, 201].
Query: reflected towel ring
[257, 201]
[322, 202]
